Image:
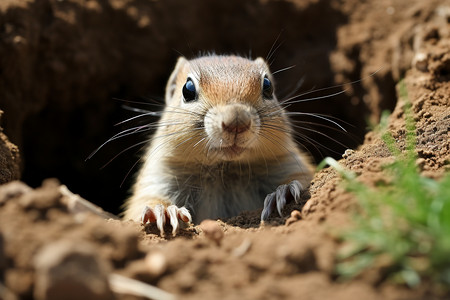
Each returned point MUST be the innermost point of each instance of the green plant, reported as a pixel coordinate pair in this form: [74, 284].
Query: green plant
[404, 224]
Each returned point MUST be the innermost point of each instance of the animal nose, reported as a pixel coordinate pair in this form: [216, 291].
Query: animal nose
[236, 126]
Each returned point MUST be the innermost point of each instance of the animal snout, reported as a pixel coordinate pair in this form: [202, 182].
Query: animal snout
[236, 119]
[236, 127]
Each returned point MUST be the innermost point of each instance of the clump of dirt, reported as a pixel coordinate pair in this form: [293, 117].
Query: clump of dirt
[34, 221]
[9, 159]
[47, 246]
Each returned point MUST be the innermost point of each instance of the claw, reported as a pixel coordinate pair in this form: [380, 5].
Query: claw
[281, 193]
[280, 197]
[295, 187]
[172, 212]
[184, 215]
[147, 216]
[159, 213]
[269, 206]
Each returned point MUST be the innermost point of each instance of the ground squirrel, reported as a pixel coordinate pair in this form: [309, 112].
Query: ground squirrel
[223, 145]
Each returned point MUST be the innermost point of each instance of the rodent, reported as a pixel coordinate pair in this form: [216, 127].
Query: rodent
[222, 146]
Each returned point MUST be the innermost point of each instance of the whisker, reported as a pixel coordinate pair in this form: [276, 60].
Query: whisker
[159, 113]
[322, 134]
[280, 143]
[196, 144]
[314, 143]
[276, 112]
[316, 116]
[129, 171]
[138, 129]
[175, 133]
[298, 124]
[123, 151]
[191, 149]
[307, 138]
[157, 101]
[332, 118]
[311, 142]
[187, 111]
[273, 154]
[154, 102]
[116, 136]
[275, 127]
[292, 101]
[134, 130]
[139, 116]
[321, 125]
[269, 55]
[167, 141]
[296, 88]
[158, 104]
[284, 69]
[272, 55]
[278, 128]
[186, 140]
[135, 109]
[340, 85]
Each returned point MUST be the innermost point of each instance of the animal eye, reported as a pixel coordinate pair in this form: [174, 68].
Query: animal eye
[267, 88]
[189, 91]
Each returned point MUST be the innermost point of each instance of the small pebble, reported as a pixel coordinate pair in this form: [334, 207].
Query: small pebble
[348, 153]
[156, 263]
[212, 231]
[295, 216]
[420, 61]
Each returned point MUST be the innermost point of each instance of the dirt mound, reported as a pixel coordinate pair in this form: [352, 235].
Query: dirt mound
[63, 61]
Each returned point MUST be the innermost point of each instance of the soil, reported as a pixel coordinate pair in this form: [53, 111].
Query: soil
[9, 159]
[62, 63]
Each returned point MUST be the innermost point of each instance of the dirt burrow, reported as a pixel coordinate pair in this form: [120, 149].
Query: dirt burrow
[65, 64]
[46, 248]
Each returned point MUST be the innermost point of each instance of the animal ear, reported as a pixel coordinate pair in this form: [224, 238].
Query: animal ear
[261, 61]
[172, 83]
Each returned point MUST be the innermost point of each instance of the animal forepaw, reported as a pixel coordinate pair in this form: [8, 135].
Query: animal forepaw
[280, 197]
[160, 214]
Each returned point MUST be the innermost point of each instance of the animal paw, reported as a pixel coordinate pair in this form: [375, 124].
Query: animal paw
[279, 198]
[159, 214]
